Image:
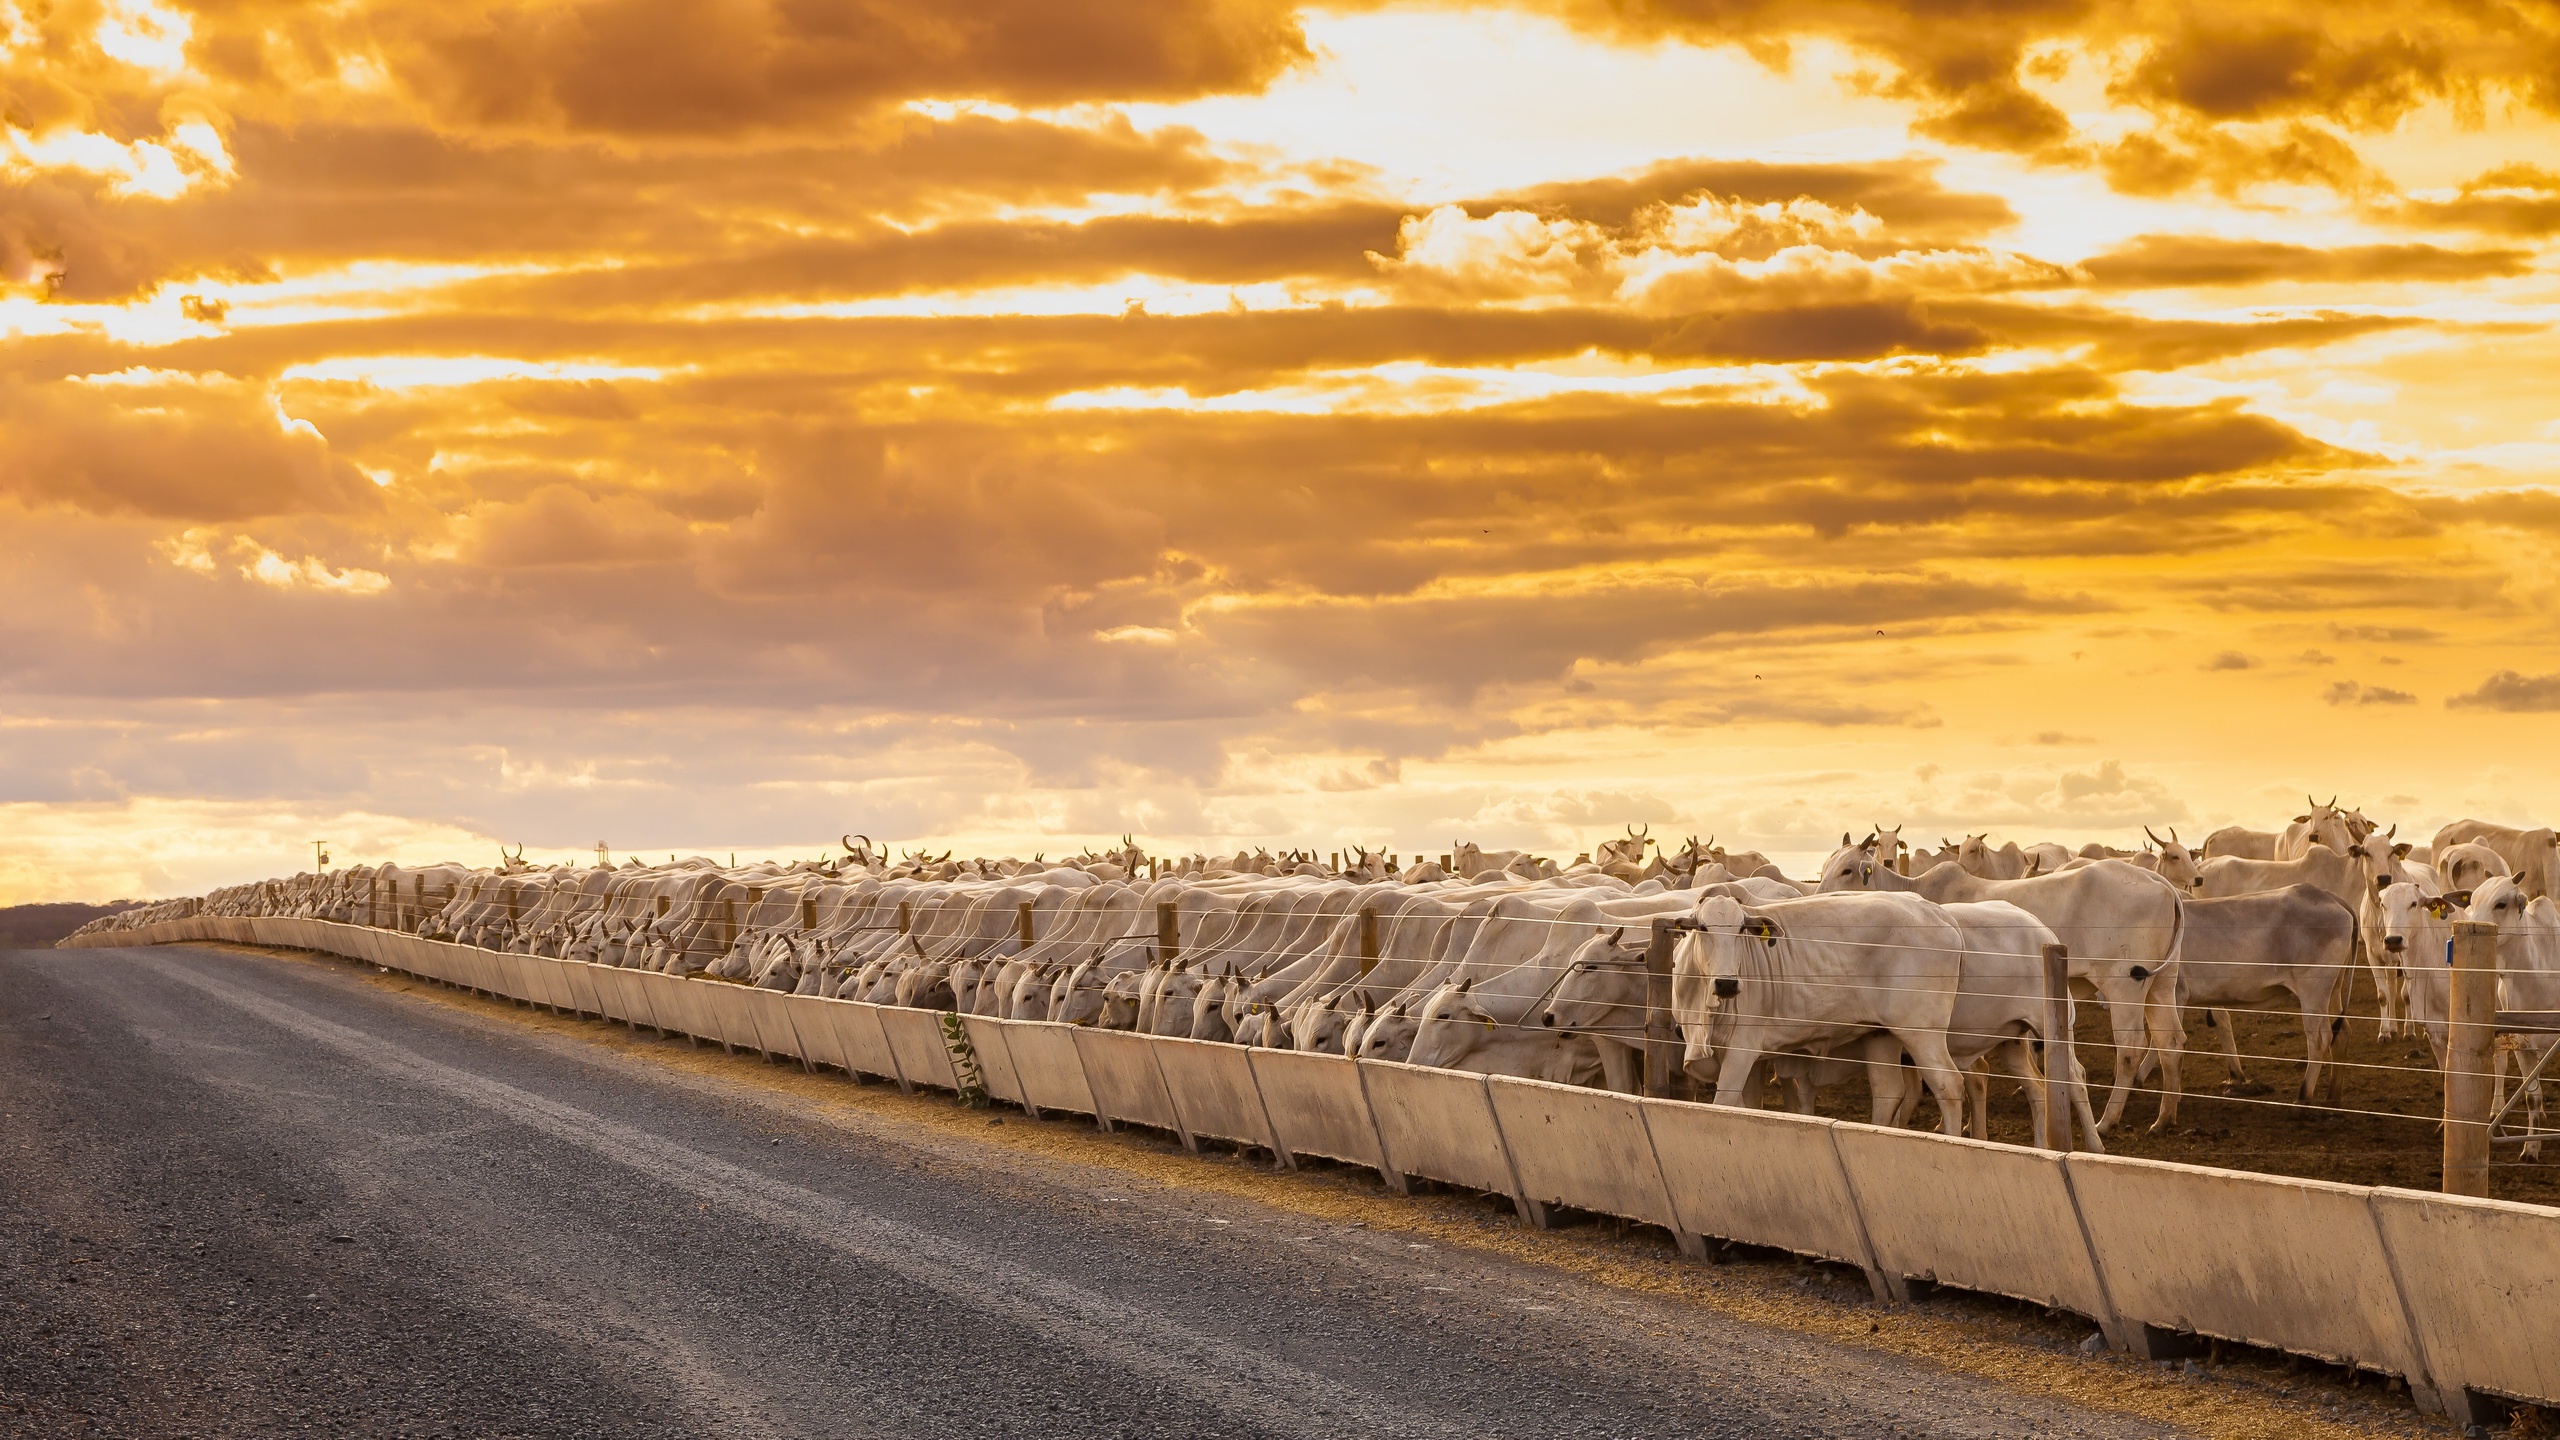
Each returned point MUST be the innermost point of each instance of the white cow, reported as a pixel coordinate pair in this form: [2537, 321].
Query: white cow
[2298, 943]
[1817, 973]
[2469, 864]
[2532, 856]
[2123, 927]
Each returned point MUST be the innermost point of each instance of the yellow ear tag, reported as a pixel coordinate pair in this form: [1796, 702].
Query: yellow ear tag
[1488, 1025]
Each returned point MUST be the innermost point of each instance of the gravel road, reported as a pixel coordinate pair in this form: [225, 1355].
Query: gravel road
[245, 1195]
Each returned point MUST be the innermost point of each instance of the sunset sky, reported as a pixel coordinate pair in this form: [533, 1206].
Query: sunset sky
[711, 425]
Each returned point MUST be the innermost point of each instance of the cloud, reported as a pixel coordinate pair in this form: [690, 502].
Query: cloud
[2231, 660]
[2520, 200]
[2348, 692]
[702, 67]
[2512, 692]
[2163, 260]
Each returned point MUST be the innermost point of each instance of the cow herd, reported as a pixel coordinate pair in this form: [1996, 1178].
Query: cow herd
[1919, 974]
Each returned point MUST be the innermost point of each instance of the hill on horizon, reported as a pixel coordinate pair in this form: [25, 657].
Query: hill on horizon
[36, 927]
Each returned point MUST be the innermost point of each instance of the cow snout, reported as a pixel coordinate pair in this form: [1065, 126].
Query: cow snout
[1548, 1019]
[2394, 943]
[1727, 987]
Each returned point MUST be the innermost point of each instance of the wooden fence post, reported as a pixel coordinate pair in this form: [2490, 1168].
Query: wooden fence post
[2057, 1048]
[1368, 940]
[1022, 922]
[1661, 1028]
[905, 917]
[1168, 934]
[2473, 1027]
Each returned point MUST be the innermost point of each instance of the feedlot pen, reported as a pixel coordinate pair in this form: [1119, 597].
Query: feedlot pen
[2384, 1130]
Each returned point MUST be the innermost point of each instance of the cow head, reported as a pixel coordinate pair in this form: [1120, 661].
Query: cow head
[1603, 976]
[1851, 867]
[1453, 1025]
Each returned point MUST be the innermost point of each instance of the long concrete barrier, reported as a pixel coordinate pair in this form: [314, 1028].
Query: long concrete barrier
[2481, 1279]
[1972, 1214]
[1213, 1091]
[582, 985]
[1050, 1067]
[1759, 1177]
[915, 1037]
[995, 1061]
[1318, 1106]
[777, 1033]
[2292, 1264]
[1573, 1145]
[1439, 1124]
[1128, 1087]
[865, 1040]
[619, 996]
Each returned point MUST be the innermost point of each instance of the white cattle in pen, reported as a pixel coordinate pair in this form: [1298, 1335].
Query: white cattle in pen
[1808, 975]
[2000, 1012]
[2122, 925]
[1978, 858]
[2044, 857]
[2417, 928]
[2322, 825]
[2240, 842]
[2334, 871]
[2382, 861]
[2532, 856]
[1481, 1017]
[2469, 865]
[2528, 979]
[2297, 944]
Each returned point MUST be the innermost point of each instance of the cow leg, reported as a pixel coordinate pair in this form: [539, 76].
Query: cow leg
[2169, 1038]
[1617, 1068]
[2378, 960]
[2020, 1061]
[2219, 1021]
[1979, 1087]
[2125, 1024]
[1928, 1050]
[1734, 1074]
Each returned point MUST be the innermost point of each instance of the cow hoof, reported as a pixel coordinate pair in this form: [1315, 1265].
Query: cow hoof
[2246, 1087]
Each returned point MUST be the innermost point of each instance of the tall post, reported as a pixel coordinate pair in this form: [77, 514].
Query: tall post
[2473, 1021]
[1368, 940]
[1661, 1027]
[2057, 1048]
[1168, 935]
[1022, 922]
[905, 917]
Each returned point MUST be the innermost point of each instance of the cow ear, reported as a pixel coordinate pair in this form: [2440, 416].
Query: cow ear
[2457, 897]
[2401, 850]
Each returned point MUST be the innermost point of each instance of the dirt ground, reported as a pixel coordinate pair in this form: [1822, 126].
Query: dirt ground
[2383, 1130]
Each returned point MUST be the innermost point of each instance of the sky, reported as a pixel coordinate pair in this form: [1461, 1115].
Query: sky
[714, 426]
